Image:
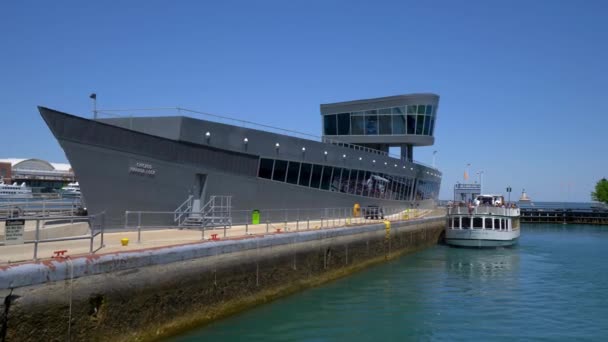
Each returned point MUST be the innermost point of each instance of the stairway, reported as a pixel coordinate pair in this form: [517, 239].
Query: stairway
[215, 213]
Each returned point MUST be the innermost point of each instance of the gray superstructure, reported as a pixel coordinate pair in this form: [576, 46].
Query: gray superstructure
[154, 163]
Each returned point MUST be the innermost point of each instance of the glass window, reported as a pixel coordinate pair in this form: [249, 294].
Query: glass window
[427, 125]
[411, 124]
[496, 224]
[385, 124]
[326, 179]
[357, 124]
[421, 109]
[411, 109]
[265, 170]
[488, 223]
[502, 224]
[429, 109]
[432, 129]
[384, 111]
[363, 181]
[456, 222]
[344, 124]
[419, 124]
[345, 180]
[477, 222]
[335, 180]
[305, 174]
[398, 124]
[292, 172]
[466, 222]
[330, 124]
[315, 181]
[371, 124]
[280, 170]
[398, 110]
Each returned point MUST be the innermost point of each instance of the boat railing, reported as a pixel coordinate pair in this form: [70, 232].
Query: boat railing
[483, 210]
[170, 111]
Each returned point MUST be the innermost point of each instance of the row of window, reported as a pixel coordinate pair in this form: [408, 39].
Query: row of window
[355, 182]
[419, 120]
[465, 222]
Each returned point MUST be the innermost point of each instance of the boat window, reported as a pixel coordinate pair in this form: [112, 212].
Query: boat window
[344, 181]
[411, 124]
[502, 224]
[265, 170]
[305, 174]
[352, 183]
[385, 125]
[421, 109]
[326, 178]
[344, 124]
[315, 181]
[335, 180]
[466, 222]
[427, 125]
[477, 222]
[371, 124]
[292, 172]
[357, 125]
[411, 109]
[398, 124]
[280, 170]
[497, 224]
[398, 110]
[364, 183]
[456, 222]
[488, 223]
[419, 124]
[429, 109]
[432, 126]
[330, 124]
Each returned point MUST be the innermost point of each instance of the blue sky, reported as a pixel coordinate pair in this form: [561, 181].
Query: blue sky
[522, 83]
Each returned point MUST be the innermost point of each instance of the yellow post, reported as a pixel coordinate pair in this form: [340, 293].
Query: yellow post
[356, 210]
[124, 241]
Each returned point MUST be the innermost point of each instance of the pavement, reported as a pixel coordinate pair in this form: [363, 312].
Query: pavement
[156, 238]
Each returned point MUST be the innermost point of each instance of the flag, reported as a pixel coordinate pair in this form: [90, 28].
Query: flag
[466, 175]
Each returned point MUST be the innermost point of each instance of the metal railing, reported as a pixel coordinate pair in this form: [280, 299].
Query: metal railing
[483, 210]
[41, 208]
[249, 124]
[182, 211]
[96, 226]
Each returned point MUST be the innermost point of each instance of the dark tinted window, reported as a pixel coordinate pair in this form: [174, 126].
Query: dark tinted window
[344, 124]
[344, 181]
[429, 109]
[398, 110]
[466, 222]
[292, 172]
[315, 181]
[398, 124]
[352, 183]
[477, 222]
[335, 180]
[384, 111]
[488, 223]
[411, 124]
[305, 174]
[419, 124]
[357, 125]
[456, 222]
[411, 109]
[326, 179]
[421, 109]
[265, 168]
[280, 170]
[427, 125]
[371, 124]
[363, 181]
[330, 124]
[385, 124]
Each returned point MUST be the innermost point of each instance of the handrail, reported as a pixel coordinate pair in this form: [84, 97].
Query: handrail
[246, 123]
[181, 210]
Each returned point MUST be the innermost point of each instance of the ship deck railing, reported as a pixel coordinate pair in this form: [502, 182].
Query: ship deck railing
[179, 111]
[483, 210]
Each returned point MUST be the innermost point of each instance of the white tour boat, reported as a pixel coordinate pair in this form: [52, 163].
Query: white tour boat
[15, 190]
[486, 221]
[71, 190]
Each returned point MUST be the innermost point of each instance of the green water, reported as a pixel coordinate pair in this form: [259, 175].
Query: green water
[553, 285]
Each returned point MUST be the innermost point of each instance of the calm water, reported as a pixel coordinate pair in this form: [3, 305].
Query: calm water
[553, 285]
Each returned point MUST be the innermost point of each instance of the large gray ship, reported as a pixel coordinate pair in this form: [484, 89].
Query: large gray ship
[155, 163]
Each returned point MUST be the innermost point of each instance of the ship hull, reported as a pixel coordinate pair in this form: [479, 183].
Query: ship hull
[122, 170]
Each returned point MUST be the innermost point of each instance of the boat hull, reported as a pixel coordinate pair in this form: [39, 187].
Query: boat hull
[481, 237]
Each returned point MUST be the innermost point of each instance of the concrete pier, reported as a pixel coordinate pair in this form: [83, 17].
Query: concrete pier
[156, 292]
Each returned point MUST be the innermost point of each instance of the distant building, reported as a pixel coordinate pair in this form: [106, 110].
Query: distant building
[40, 175]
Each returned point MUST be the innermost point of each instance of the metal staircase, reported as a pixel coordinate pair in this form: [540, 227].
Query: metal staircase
[215, 213]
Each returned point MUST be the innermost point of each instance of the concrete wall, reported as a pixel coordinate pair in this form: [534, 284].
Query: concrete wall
[141, 303]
